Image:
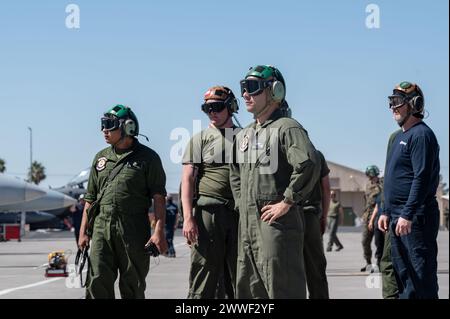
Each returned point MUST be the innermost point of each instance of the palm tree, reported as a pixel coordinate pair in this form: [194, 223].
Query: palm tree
[37, 173]
[2, 166]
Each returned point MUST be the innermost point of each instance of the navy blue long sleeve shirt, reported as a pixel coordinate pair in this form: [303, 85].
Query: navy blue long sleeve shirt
[412, 172]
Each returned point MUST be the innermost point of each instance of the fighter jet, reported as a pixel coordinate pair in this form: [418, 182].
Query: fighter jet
[80, 178]
[31, 217]
[51, 200]
[75, 187]
[13, 190]
[19, 196]
[19, 202]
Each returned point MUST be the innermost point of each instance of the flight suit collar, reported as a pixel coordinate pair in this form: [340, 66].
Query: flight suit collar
[273, 117]
[111, 155]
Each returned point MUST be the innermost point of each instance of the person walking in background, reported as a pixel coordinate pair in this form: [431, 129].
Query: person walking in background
[77, 216]
[372, 194]
[335, 215]
[171, 225]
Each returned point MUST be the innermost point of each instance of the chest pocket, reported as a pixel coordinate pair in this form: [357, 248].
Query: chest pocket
[133, 170]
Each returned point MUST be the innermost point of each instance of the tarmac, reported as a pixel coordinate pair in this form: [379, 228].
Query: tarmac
[22, 268]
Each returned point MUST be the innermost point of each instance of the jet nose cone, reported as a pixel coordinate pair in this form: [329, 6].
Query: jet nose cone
[33, 192]
[68, 201]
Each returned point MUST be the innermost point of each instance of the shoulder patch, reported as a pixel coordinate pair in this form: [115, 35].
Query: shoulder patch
[101, 164]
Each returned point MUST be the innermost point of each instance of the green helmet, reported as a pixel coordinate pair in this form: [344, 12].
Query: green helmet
[372, 171]
[270, 77]
[121, 116]
[266, 72]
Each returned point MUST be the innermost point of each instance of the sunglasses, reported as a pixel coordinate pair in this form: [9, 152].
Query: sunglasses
[396, 101]
[110, 124]
[213, 107]
[254, 87]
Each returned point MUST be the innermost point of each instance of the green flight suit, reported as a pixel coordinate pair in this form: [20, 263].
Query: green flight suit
[333, 224]
[274, 161]
[213, 258]
[122, 227]
[315, 261]
[373, 190]
[388, 278]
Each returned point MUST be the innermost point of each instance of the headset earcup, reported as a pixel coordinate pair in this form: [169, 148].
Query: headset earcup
[417, 103]
[231, 102]
[130, 127]
[278, 91]
[234, 105]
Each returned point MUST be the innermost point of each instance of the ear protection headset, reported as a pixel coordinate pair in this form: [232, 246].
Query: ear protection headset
[278, 89]
[231, 101]
[417, 102]
[129, 125]
[127, 120]
[414, 95]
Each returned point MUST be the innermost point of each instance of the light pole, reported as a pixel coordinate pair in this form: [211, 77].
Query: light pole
[31, 151]
[23, 215]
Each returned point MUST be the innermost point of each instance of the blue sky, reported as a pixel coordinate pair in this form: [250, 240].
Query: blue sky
[160, 57]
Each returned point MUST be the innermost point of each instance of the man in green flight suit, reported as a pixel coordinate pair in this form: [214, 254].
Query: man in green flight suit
[315, 213]
[275, 170]
[388, 276]
[372, 195]
[335, 216]
[211, 226]
[121, 229]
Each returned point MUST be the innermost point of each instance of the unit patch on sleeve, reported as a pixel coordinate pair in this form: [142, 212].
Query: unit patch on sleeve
[101, 164]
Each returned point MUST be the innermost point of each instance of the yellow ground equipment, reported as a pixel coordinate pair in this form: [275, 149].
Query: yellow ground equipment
[57, 265]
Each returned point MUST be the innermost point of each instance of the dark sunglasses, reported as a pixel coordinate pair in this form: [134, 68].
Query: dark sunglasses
[213, 107]
[254, 87]
[110, 124]
[396, 101]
